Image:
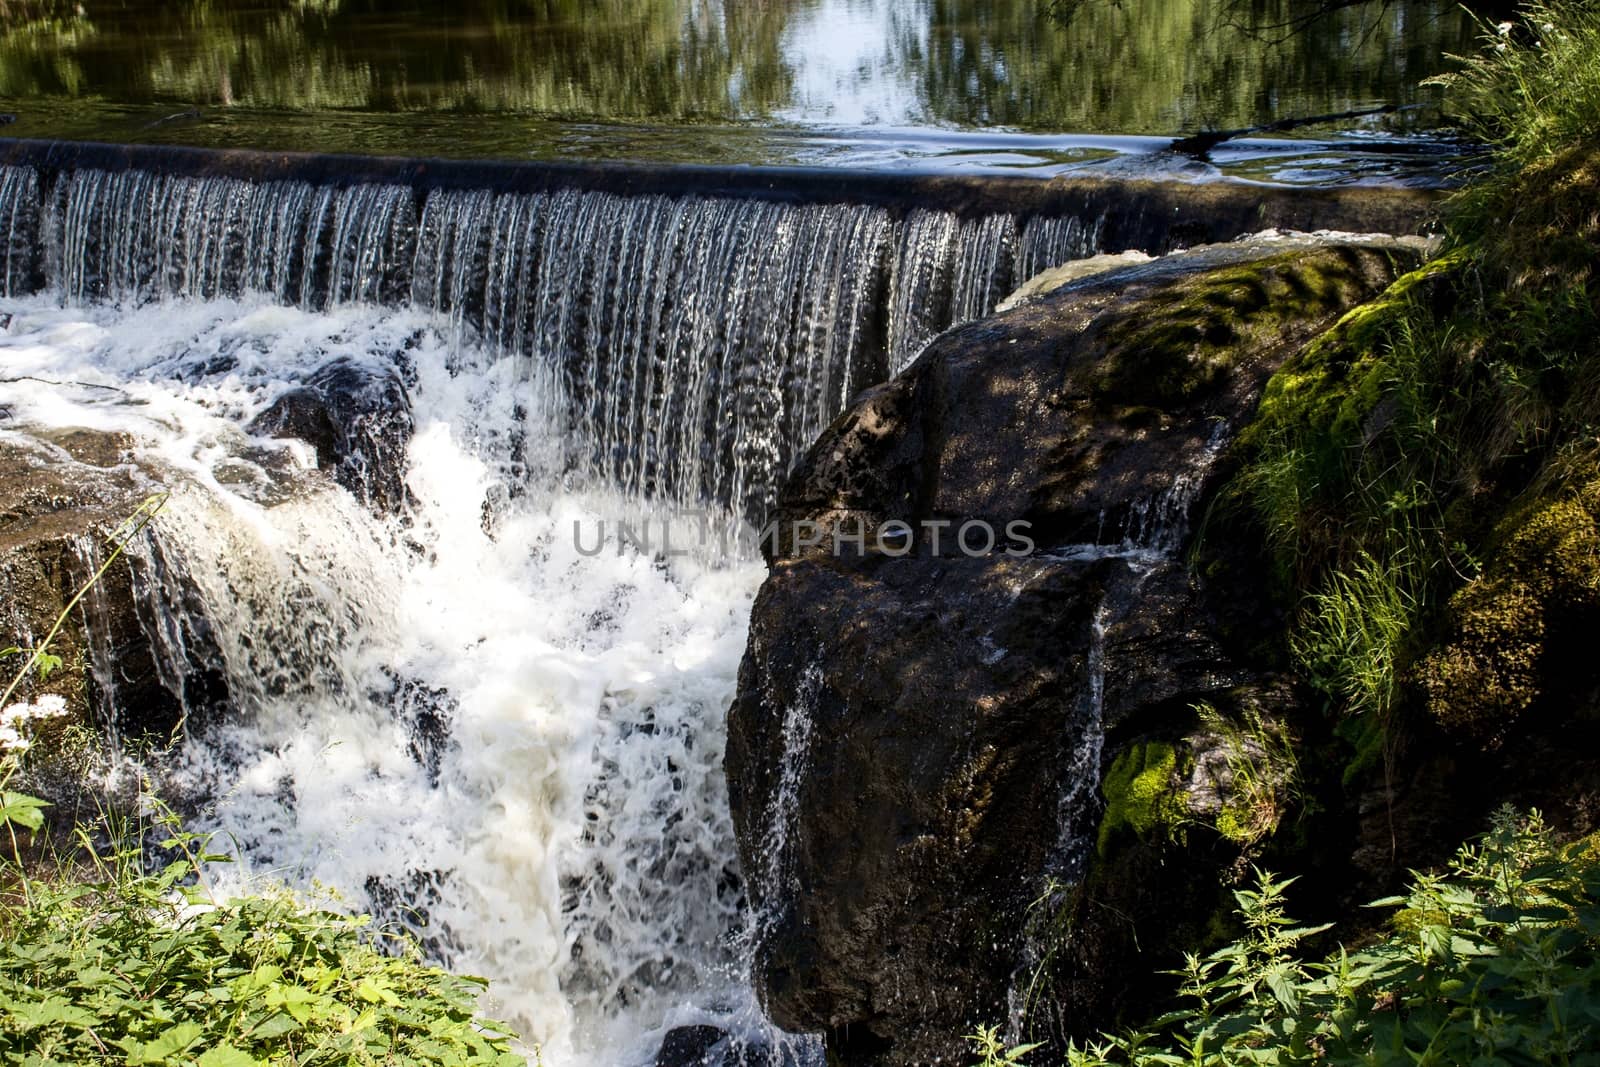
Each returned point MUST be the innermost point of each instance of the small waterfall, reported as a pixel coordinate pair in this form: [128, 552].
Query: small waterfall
[456, 717]
[1157, 525]
[1155, 530]
[919, 302]
[982, 276]
[19, 219]
[952, 271]
[134, 236]
[698, 344]
[798, 717]
[777, 856]
[1047, 241]
[701, 344]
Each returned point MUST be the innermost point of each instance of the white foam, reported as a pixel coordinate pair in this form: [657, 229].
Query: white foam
[574, 844]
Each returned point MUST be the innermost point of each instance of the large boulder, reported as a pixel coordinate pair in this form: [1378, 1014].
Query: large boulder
[926, 729]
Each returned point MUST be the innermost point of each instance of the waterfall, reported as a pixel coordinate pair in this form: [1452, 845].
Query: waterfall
[453, 716]
[951, 270]
[699, 343]
[19, 216]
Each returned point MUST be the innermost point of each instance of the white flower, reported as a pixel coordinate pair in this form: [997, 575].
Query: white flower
[48, 706]
[1503, 29]
[10, 740]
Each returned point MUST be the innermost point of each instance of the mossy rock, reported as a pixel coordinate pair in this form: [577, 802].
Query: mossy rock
[1180, 343]
[1333, 386]
[1541, 227]
[1144, 792]
[1514, 634]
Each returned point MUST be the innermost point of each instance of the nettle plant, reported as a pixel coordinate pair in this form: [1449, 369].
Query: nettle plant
[1494, 961]
[112, 964]
[105, 961]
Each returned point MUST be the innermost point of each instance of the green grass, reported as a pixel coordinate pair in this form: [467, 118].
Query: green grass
[1382, 455]
[1533, 91]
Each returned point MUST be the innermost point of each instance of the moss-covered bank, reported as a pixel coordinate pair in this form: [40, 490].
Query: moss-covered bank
[1422, 483]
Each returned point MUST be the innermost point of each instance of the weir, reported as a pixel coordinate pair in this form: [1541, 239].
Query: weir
[702, 325]
[446, 708]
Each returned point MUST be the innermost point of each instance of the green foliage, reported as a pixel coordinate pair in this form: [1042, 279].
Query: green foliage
[1534, 89]
[1263, 773]
[44, 662]
[114, 965]
[1142, 792]
[1495, 962]
[1355, 630]
[990, 1047]
[1382, 453]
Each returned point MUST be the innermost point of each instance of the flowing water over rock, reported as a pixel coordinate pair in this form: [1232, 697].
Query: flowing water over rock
[393, 425]
[699, 343]
[456, 720]
[962, 701]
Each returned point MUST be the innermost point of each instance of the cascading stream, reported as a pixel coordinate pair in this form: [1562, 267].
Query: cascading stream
[701, 343]
[457, 721]
[457, 717]
[1154, 532]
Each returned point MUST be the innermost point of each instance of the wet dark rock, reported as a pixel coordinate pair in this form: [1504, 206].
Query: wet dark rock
[406, 901]
[711, 1046]
[358, 419]
[427, 713]
[914, 755]
[1070, 412]
[690, 1046]
[63, 497]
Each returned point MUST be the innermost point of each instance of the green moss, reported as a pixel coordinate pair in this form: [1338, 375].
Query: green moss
[1234, 824]
[1333, 385]
[1542, 585]
[1183, 342]
[1142, 792]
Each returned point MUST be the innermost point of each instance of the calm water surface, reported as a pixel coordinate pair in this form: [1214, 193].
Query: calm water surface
[1023, 85]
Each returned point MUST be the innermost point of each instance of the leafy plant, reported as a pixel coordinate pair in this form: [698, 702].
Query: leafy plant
[1497, 961]
[992, 1050]
[115, 965]
[1355, 630]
